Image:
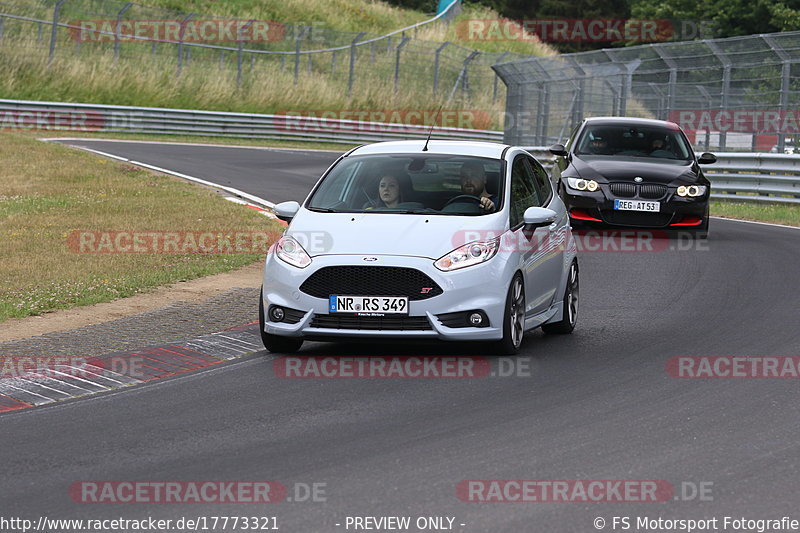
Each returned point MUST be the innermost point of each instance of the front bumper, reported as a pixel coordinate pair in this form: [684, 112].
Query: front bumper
[597, 209]
[481, 287]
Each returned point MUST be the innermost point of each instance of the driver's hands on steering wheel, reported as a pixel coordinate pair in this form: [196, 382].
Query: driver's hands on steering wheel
[487, 204]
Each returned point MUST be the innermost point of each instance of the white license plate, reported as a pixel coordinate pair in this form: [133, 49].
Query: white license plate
[386, 305]
[637, 205]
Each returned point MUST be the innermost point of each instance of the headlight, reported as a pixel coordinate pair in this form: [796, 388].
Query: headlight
[470, 254]
[580, 184]
[290, 251]
[691, 191]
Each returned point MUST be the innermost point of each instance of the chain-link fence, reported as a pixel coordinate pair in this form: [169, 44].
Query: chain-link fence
[151, 38]
[741, 93]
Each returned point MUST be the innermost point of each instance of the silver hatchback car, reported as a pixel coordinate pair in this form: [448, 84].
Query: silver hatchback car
[451, 240]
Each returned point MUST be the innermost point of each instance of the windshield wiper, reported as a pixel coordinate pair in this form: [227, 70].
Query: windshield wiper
[322, 210]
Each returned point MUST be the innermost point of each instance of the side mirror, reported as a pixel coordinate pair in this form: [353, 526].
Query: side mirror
[537, 217]
[558, 149]
[287, 210]
[707, 158]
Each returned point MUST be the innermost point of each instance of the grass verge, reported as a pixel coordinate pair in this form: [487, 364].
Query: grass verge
[772, 213]
[51, 191]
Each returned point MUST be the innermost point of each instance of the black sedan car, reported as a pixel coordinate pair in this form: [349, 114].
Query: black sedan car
[622, 171]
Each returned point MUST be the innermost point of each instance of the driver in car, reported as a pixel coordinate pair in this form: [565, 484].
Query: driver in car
[473, 183]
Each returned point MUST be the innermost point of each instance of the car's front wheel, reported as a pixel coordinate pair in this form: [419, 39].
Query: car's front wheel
[275, 343]
[514, 318]
[570, 316]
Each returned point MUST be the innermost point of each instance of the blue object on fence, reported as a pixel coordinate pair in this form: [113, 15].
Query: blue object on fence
[443, 4]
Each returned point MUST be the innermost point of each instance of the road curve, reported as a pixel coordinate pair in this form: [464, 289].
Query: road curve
[597, 405]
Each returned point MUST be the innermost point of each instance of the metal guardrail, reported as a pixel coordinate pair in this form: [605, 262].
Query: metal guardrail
[59, 116]
[735, 176]
[755, 177]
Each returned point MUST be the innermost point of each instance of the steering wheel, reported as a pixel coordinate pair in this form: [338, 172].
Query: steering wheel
[462, 197]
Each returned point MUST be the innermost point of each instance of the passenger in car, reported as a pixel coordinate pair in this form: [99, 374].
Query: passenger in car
[389, 193]
[473, 183]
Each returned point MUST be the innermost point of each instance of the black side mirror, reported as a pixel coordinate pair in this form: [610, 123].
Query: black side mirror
[707, 158]
[558, 149]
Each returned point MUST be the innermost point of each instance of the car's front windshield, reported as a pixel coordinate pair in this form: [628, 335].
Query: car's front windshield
[621, 140]
[411, 184]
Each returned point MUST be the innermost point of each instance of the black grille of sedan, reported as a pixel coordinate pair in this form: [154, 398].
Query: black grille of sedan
[370, 281]
[625, 190]
[652, 191]
[391, 323]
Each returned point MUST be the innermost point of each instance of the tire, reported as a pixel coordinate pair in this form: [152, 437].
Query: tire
[275, 343]
[513, 318]
[570, 316]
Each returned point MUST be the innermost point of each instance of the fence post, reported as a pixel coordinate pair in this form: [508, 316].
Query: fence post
[221, 59]
[297, 53]
[673, 80]
[333, 63]
[465, 78]
[180, 43]
[436, 67]
[397, 63]
[786, 71]
[352, 72]
[54, 31]
[726, 85]
[462, 76]
[2, 24]
[240, 51]
[120, 13]
[494, 89]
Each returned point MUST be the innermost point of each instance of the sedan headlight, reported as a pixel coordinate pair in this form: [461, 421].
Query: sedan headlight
[580, 184]
[691, 191]
[470, 254]
[290, 251]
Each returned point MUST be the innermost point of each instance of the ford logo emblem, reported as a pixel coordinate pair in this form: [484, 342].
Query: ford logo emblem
[370, 259]
[638, 179]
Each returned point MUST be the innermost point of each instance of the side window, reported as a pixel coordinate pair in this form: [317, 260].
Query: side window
[523, 190]
[542, 179]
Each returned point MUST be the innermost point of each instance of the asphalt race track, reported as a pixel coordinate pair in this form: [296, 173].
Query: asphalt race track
[596, 405]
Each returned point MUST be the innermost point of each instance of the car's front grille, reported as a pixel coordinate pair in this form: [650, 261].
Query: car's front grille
[652, 191]
[629, 190]
[373, 323]
[370, 281]
[625, 190]
[636, 218]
